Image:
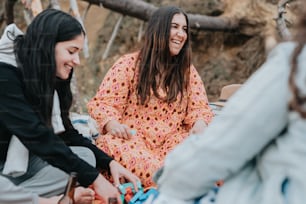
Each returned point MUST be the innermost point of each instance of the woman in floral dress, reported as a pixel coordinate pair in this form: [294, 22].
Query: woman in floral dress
[152, 99]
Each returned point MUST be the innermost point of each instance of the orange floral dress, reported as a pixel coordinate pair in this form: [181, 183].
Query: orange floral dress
[159, 126]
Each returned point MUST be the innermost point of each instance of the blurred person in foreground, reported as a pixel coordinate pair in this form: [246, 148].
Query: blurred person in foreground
[257, 145]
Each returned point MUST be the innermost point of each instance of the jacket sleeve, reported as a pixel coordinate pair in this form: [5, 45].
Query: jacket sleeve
[250, 120]
[19, 119]
[111, 99]
[73, 138]
[197, 107]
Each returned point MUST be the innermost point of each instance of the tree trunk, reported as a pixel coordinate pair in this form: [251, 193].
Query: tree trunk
[9, 11]
[143, 10]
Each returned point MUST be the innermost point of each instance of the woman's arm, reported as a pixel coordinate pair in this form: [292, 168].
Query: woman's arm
[19, 118]
[73, 138]
[111, 99]
[197, 107]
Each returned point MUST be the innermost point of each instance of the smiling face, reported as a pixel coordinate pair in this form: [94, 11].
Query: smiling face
[178, 34]
[67, 56]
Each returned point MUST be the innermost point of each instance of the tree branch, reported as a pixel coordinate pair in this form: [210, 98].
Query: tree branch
[281, 20]
[143, 10]
[9, 11]
[113, 36]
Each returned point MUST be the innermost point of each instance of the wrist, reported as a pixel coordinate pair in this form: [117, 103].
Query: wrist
[108, 126]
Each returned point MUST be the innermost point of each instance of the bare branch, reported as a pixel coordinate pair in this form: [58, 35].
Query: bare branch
[75, 12]
[134, 8]
[32, 8]
[110, 42]
[9, 11]
[140, 31]
[76, 95]
[86, 12]
[54, 4]
[281, 20]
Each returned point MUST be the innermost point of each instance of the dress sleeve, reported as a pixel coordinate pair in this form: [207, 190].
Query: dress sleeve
[251, 119]
[18, 118]
[111, 99]
[197, 107]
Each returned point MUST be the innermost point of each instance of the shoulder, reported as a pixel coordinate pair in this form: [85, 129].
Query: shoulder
[128, 58]
[126, 63]
[193, 72]
[193, 69]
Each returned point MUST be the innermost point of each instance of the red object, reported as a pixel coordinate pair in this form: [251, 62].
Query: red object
[129, 194]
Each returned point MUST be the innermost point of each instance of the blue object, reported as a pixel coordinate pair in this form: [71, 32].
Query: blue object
[139, 197]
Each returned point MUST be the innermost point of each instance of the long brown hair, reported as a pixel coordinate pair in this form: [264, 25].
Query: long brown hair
[298, 100]
[155, 59]
[36, 59]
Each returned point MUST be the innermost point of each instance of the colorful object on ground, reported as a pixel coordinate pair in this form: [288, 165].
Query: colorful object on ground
[130, 196]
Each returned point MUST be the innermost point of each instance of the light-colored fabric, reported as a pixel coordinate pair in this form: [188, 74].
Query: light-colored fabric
[56, 118]
[243, 145]
[159, 126]
[7, 45]
[17, 158]
[11, 194]
[51, 181]
[85, 125]
[42, 179]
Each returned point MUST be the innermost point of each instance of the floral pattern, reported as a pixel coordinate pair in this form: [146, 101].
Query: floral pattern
[159, 126]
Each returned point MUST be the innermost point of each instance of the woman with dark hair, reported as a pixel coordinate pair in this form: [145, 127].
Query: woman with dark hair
[257, 145]
[35, 98]
[152, 99]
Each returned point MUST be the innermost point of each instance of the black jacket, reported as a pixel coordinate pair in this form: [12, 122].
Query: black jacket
[18, 118]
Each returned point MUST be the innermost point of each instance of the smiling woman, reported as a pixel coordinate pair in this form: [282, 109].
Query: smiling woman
[67, 56]
[178, 34]
[34, 108]
[151, 100]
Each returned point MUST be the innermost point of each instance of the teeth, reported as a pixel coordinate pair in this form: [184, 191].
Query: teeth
[176, 41]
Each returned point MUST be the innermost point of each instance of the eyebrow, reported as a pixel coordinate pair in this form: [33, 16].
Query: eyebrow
[74, 47]
[177, 24]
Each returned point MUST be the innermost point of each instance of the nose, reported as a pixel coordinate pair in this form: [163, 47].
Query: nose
[76, 59]
[180, 33]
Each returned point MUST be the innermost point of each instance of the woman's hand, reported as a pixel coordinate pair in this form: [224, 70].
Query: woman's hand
[198, 127]
[83, 195]
[105, 190]
[118, 171]
[117, 129]
[51, 200]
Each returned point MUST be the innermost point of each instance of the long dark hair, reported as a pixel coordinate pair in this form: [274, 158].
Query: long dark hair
[35, 53]
[298, 100]
[155, 58]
